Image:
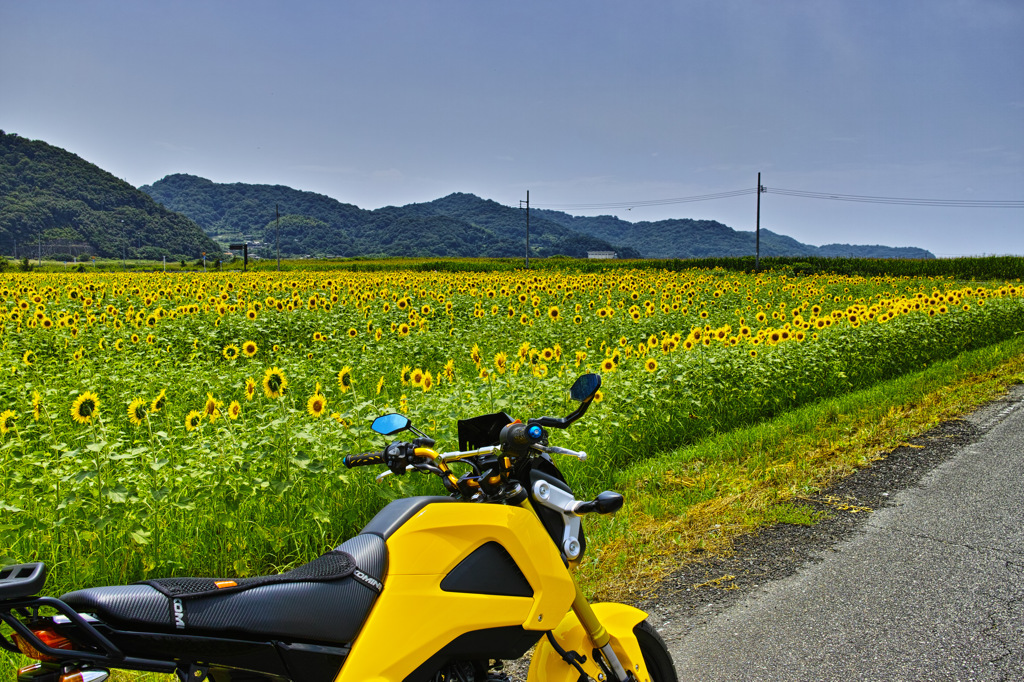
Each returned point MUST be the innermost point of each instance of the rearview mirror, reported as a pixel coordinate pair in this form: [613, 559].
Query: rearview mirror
[583, 391]
[585, 387]
[388, 424]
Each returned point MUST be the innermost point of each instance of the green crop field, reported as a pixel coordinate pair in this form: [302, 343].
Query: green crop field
[193, 424]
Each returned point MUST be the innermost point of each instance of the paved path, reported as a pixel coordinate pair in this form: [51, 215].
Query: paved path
[931, 589]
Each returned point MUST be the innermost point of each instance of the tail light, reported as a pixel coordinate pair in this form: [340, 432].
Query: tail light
[47, 637]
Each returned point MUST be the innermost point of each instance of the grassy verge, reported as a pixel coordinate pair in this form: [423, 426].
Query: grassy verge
[700, 498]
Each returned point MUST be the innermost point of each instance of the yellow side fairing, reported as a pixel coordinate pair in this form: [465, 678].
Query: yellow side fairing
[422, 553]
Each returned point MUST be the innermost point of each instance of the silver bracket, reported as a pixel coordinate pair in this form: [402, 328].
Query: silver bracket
[564, 503]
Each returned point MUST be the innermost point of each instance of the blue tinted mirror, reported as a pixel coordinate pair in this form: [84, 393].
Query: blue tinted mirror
[390, 423]
[585, 387]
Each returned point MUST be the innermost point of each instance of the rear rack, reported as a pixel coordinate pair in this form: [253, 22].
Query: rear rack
[18, 584]
[21, 580]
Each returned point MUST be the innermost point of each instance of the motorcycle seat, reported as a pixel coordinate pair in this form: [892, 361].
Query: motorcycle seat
[326, 600]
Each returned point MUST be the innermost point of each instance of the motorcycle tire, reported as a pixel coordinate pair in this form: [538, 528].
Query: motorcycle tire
[656, 656]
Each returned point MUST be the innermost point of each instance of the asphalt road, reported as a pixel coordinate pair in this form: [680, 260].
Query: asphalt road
[929, 588]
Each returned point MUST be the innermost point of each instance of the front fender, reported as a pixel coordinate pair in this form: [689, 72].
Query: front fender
[618, 619]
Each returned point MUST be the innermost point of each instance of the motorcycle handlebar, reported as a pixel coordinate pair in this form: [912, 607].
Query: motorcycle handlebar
[363, 459]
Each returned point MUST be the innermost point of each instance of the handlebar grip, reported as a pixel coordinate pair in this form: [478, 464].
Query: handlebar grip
[363, 459]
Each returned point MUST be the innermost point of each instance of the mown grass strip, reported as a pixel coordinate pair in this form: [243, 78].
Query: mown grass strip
[698, 499]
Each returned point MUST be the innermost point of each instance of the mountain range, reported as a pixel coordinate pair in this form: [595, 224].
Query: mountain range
[460, 225]
[55, 203]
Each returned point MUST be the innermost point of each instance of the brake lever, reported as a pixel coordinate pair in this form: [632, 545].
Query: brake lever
[554, 450]
[380, 477]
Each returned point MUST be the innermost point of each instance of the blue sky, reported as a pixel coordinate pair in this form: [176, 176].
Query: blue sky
[578, 101]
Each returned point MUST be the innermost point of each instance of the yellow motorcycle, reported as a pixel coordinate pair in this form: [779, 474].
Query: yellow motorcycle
[434, 588]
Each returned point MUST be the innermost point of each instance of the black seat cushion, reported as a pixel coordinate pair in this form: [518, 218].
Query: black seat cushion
[331, 566]
[330, 611]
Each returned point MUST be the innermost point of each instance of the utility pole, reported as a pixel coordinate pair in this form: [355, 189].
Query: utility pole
[757, 229]
[277, 212]
[527, 226]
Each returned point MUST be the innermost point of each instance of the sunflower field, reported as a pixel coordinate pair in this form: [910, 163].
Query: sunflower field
[172, 424]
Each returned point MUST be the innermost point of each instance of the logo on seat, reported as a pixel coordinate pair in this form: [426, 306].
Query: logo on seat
[178, 613]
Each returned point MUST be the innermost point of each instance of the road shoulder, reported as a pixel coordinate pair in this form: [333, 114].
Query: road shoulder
[709, 611]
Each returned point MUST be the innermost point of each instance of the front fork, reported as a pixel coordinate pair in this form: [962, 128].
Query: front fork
[591, 623]
[598, 634]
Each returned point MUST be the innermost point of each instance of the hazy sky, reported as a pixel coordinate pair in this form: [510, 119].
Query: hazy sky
[382, 102]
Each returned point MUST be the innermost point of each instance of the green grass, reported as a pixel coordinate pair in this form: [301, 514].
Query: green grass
[985, 268]
[702, 496]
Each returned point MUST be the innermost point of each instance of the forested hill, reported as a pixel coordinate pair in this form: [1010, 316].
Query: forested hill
[460, 225]
[686, 238]
[314, 224]
[56, 204]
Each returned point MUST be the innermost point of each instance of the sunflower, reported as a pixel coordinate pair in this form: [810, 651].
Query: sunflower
[500, 362]
[553, 313]
[353, 332]
[380, 385]
[7, 419]
[416, 379]
[193, 420]
[37, 405]
[137, 411]
[29, 358]
[249, 348]
[318, 336]
[651, 364]
[344, 379]
[428, 382]
[316, 405]
[274, 383]
[212, 408]
[607, 365]
[250, 388]
[234, 410]
[230, 351]
[85, 407]
[406, 375]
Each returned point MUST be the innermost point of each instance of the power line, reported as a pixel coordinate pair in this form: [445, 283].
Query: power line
[832, 196]
[649, 202]
[905, 201]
